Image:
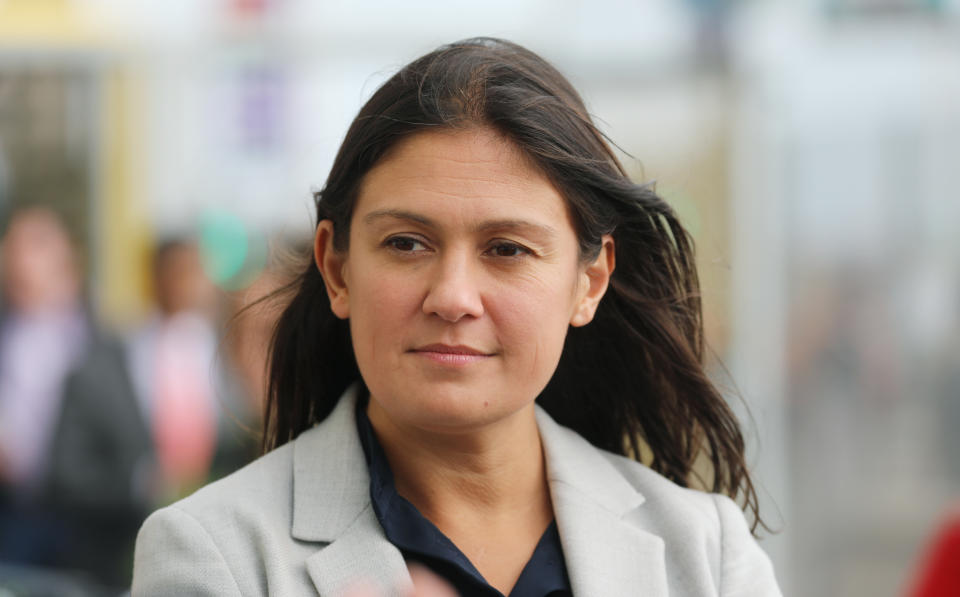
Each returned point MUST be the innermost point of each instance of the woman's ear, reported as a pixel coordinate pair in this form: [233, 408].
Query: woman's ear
[331, 264]
[594, 280]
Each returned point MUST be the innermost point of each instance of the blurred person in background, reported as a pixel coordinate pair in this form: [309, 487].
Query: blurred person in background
[44, 329]
[142, 421]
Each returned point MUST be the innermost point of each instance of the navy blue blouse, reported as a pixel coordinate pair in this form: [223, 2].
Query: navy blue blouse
[419, 540]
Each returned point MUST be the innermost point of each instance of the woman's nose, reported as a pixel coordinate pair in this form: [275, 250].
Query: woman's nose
[454, 292]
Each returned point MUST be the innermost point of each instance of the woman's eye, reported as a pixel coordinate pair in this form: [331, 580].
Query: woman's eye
[405, 244]
[508, 250]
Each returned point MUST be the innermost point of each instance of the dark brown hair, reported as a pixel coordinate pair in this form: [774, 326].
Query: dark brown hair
[635, 375]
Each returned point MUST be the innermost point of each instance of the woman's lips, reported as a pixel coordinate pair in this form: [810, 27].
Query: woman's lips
[451, 355]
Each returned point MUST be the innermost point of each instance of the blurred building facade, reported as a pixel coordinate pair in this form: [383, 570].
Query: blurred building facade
[810, 147]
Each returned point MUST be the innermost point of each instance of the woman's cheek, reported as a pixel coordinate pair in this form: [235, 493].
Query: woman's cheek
[538, 296]
[391, 293]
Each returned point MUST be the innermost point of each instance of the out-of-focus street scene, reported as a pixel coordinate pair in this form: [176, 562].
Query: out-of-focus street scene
[157, 165]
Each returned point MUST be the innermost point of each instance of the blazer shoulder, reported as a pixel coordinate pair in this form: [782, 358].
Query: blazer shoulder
[176, 555]
[225, 539]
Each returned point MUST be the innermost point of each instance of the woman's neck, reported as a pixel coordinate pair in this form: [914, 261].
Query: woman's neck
[485, 489]
[496, 470]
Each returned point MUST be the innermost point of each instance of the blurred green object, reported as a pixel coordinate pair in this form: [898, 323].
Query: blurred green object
[233, 254]
[223, 240]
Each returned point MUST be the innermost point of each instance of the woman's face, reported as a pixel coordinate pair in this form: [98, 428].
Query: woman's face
[461, 278]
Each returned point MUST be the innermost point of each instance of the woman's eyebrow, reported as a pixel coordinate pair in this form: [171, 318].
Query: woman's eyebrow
[398, 214]
[540, 230]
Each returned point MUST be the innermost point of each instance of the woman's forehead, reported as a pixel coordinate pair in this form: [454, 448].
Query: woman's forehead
[473, 172]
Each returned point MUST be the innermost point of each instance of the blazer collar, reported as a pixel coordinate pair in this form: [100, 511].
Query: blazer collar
[606, 553]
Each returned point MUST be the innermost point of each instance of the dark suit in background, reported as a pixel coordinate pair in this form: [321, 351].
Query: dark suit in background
[104, 476]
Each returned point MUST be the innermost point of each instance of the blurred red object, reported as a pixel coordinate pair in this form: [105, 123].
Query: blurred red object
[940, 570]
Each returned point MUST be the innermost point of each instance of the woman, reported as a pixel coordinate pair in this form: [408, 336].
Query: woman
[494, 317]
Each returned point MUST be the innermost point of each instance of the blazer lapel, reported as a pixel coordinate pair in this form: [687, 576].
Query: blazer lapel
[331, 505]
[361, 554]
[606, 553]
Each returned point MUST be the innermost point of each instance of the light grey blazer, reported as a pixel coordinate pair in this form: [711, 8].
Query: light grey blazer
[298, 521]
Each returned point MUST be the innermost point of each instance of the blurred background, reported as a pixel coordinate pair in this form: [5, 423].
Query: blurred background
[156, 164]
